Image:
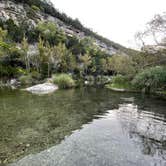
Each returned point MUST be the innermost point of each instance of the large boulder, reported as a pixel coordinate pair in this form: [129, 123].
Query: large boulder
[42, 88]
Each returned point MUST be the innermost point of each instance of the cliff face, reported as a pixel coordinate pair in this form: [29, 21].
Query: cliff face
[21, 12]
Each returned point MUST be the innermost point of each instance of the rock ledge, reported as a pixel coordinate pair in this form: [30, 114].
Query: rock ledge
[42, 88]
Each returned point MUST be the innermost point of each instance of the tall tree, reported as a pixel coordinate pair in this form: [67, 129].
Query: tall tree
[26, 58]
[86, 62]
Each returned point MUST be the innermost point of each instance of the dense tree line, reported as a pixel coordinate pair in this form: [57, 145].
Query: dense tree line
[57, 52]
[145, 70]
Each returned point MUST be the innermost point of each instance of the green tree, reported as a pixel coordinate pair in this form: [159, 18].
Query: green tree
[63, 53]
[49, 32]
[121, 64]
[45, 54]
[86, 62]
[150, 79]
[3, 45]
[24, 47]
[103, 65]
[3, 34]
[72, 63]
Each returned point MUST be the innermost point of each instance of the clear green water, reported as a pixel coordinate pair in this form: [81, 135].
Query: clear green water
[82, 127]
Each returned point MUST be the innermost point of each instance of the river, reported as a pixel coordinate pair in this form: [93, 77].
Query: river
[82, 127]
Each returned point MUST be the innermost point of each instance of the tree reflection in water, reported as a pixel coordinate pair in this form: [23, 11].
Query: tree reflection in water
[146, 128]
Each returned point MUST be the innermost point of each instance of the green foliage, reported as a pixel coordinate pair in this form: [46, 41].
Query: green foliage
[15, 32]
[31, 12]
[120, 82]
[57, 58]
[35, 8]
[64, 81]
[62, 58]
[21, 71]
[102, 80]
[47, 29]
[49, 32]
[122, 64]
[35, 75]
[26, 79]
[49, 9]
[25, 57]
[57, 52]
[119, 79]
[3, 45]
[75, 45]
[86, 62]
[150, 79]
[71, 63]
[3, 34]
[7, 57]
[8, 71]
[30, 78]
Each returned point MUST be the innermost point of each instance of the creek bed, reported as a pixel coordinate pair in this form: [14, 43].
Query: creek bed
[82, 127]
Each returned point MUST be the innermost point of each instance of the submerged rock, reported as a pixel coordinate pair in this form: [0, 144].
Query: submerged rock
[42, 88]
[14, 83]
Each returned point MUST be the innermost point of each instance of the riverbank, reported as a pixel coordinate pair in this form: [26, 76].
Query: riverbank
[126, 87]
[66, 81]
[129, 89]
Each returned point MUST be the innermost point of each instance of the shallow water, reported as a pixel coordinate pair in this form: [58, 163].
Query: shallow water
[82, 127]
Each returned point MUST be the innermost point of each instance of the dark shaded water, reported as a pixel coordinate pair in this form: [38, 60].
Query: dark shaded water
[82, 127]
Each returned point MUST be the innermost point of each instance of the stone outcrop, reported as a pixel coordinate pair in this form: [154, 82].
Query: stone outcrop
[19, 13]
[42, 88]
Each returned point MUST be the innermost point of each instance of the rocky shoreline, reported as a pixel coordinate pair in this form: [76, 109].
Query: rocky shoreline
[42, 88]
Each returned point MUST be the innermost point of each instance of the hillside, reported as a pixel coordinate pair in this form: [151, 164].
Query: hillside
[32, 12]
[38, 41]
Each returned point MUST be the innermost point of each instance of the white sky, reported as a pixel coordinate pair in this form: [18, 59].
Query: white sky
[117, 20]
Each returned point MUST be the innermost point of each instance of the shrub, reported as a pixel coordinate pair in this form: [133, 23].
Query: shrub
[31, 13]
[121, 64]
[49, 32]
[26, 79]
[35, 8]
[119, 79]
[63, 81]
[150, 79]
[29, 78]
[8, 71]
[35, 75]
[121, 82]
[21, 71]
[101, 80]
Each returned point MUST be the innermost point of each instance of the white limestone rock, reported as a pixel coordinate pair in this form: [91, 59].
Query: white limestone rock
[45, 88]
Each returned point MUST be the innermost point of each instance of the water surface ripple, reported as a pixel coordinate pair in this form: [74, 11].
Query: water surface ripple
[82, 127]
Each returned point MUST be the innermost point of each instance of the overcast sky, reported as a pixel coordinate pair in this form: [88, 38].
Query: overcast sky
[117, 20]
